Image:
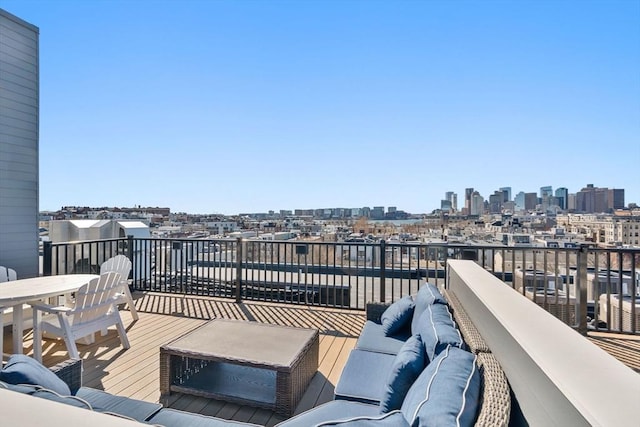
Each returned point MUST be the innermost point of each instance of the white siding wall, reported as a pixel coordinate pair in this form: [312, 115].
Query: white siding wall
[19, 108]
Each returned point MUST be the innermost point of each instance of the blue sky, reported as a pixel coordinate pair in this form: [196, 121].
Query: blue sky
[250, 106]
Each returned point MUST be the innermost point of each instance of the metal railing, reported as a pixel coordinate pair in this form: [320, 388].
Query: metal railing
[586, 287]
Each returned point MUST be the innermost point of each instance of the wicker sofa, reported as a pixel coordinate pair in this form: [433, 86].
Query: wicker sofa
[361, 386]
[495, 403]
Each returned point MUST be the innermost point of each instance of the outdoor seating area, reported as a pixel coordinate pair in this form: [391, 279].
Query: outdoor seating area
[128, 382]
[346, 405]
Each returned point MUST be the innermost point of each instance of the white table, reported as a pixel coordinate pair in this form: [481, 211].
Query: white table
[17, 292]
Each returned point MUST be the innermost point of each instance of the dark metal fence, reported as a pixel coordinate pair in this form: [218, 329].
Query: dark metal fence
[586, 287]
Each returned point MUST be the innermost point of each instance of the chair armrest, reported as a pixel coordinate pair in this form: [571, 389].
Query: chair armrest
[69, 371]
[375, 310]
[50, 308]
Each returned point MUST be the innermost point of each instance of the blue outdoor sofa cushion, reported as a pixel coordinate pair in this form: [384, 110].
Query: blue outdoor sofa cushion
[22, 369]
[173, 418]
[364, 377]
[407, 366]
[397, 316]
[427, 295]
[373, 338]
[335, 410]
[390, 419]
[447, 392]
[102, 401]
[437, 330]
[44, 393]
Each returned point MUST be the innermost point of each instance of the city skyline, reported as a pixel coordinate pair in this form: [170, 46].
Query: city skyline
[227, 107]
[554, 193]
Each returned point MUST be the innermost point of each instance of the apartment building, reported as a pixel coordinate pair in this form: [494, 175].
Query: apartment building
[603, 229]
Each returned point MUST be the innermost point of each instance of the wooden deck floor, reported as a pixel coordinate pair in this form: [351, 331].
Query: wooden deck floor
[134, 372]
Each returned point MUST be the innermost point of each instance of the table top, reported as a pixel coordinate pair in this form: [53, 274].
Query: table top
[23, 290]
[244, 341]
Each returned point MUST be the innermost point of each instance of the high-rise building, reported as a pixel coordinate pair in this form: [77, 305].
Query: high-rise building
[546, 191]
[593, 199]
[601, 203]
[562, 194]
[530, 201]
[468, 192]
[571, 202]
[377, 212]
[477, 204]
[19, 117]
[616, 198]
[507, 193]
[453, 200]
[586, 199]
[519, 201]
[495, 202]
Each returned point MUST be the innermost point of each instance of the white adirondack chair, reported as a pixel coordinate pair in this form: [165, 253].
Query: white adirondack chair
[94, 310]
[121, 265]
[8, 274]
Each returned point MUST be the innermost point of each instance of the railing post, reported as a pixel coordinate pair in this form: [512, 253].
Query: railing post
[582, 293]
[239, 243]
[47, 258]
[383, 263]
[130, 247]
[130, 256]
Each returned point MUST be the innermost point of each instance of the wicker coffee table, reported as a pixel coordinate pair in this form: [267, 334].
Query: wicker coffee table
[250, 363]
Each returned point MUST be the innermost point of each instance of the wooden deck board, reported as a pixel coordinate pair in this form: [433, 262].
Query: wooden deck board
[135, 372]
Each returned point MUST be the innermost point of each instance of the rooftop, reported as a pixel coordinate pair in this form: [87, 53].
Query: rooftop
[135, 372]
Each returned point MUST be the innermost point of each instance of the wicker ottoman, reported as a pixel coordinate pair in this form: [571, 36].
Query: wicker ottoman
[249, 363]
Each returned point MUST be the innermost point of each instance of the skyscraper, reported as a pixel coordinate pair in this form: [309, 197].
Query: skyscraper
[477, 204]
[495, 201]
[507, 193]
[519, 201]
[616, 198]
[530, 201]
[562, 194]
[546, 191]
[452, 198]
[468, 192]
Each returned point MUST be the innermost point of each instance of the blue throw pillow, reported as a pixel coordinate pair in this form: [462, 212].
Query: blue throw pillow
[427, 295]
[21, 369]
[407, 366]
[396, 317]
[437, 330]
[447, 393]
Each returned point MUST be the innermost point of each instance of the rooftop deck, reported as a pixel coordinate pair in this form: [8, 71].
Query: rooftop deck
[134, 372]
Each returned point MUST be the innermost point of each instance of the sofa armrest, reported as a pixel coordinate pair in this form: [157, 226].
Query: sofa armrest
[467, 329]
[69, 371]
[495, 400]
[375, 310]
